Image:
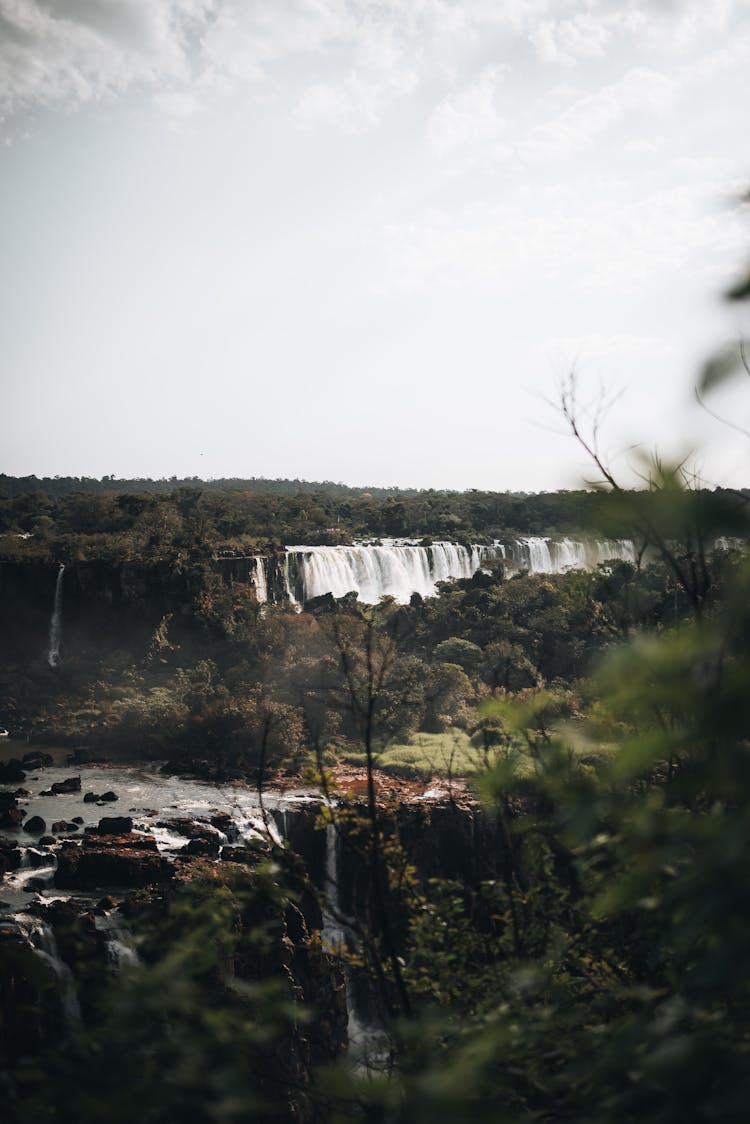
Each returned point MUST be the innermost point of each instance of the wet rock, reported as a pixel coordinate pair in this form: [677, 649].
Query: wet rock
[109, 796]
[47, 840]
[249, 854]
[37, 858]
[106, 904]
[112, 825]
[11, 771]
[35, 826]
[78, 819]
[224, 823]
[63, 826]
[47, 792]
[61, 911]
[10, 855]
[192, 829]
[11, 816]
[21, 793]
[205, 847]
[37, 760]
[111, 862]
[91, 798]
[83, 756]
[131, 839]
[70, 784]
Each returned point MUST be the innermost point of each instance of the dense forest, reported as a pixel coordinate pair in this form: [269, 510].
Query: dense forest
[121, 520]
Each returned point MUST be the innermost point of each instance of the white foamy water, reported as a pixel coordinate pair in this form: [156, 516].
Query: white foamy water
[399, 569]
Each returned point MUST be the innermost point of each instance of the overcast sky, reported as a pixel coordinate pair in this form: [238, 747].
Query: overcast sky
[363, 240]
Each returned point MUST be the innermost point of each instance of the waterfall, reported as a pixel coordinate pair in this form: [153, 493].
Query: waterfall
[554, 556]
[365, 1039]
[390, 569]
[258, 580]
[398, 569]
[55, 626]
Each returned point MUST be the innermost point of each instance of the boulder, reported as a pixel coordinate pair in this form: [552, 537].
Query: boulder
[70, 784]
[112, 825]
[78, 819]
[47, 840]
[91, 798]
[109, 796]
[35, 825]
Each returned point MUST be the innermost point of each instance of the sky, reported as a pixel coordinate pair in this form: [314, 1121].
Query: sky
[366, 240]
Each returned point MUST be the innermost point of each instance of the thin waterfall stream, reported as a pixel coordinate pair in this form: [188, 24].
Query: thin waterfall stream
[55, 626]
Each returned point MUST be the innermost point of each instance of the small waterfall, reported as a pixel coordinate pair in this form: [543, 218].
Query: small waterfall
[121, 952]
[45, 947]
[332, 932]
[258, 580]
[55, 626]
[365, 1040]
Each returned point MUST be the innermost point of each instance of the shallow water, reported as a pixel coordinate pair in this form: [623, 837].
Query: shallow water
[144, 794]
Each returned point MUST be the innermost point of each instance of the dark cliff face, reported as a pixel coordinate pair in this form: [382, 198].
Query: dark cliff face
[104, 606]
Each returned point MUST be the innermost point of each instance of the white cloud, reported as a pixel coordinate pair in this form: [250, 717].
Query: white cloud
[178, 105]
[245, 38]
[546, 239]
[569, 40]
[469, 120]
[358, 100]
[73, 52]
[582, 123]
[355, 103]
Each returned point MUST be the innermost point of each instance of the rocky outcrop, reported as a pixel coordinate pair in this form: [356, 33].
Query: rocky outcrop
[104, 861]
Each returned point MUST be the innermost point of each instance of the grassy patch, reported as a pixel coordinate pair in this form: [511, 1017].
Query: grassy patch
[451, 753]
[426, 755]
